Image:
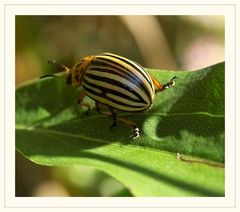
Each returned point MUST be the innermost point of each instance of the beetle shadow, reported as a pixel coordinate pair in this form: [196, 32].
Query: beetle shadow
[95, 126]
[190, 123]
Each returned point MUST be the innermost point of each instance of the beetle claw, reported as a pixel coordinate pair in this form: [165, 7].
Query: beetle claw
[170, 83]
[136, 133]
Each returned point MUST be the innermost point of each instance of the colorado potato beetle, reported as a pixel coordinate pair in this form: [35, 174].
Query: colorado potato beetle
[116, 82]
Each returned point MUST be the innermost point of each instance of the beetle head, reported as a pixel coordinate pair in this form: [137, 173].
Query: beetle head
[75, 75]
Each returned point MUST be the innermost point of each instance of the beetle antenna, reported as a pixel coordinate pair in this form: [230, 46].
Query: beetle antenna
[54, 62]
[48, 75]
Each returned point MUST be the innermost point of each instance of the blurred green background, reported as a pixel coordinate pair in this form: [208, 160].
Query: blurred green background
[161, 42]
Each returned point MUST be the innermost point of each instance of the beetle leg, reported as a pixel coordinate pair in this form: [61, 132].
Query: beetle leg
[170, 83]
[97, 106]
[160, 86]
[157, 84]
[131, 124]
[84, 104]
[113, 114]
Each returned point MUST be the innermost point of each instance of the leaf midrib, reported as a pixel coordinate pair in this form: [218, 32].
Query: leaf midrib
[53, 133]
[96, 140]
[154, 114]
[20, 126]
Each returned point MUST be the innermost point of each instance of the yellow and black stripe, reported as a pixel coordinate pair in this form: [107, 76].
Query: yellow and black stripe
[118, 82]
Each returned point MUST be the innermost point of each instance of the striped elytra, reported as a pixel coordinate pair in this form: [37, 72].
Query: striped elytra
[115, 81]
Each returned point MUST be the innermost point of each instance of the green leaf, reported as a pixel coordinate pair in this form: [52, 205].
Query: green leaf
[188, 119]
